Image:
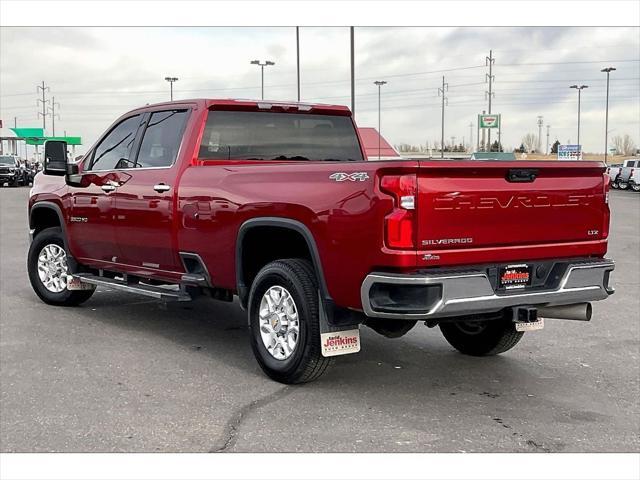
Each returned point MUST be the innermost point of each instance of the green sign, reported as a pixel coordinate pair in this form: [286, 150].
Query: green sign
[489, 121]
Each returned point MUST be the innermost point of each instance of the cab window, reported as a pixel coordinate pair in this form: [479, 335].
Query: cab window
[162, 138]
[114, 151]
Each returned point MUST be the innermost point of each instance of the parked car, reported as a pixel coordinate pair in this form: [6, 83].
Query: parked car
[276, 203]
[634, 179]
[11, 171]
[614, 171]
[625, 173]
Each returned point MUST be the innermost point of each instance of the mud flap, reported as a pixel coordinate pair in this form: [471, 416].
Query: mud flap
[337, 340]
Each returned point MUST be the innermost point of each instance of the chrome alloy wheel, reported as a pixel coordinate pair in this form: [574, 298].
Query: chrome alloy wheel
[279, 322]
[52, 268]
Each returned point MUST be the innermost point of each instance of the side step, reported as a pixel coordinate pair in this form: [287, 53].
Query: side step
[169, 294]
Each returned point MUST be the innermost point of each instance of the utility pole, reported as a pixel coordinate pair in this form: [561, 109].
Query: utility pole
[379, 83]
[483, 145]
[470, 135]
[607, 70]
[547, 150]
[579, 88]
[489, 77]
[441, 92]
[15, 122]
[262, 65]
[44, 102]
[298, 58]
[540, 123]
[52, 112]
[353, 76]
[171, 80]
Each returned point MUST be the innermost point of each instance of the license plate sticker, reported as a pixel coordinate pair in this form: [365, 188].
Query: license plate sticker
[340, 343]
[515, 276]
[530, 326]
[75, 283]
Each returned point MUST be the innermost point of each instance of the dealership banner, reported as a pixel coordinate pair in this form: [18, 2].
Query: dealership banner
[489, 121]
[569, 152]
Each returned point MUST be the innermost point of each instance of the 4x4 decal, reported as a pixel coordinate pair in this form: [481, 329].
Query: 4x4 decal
[352, 177]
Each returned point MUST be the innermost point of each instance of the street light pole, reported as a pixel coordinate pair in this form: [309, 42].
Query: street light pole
[298, 58]
[262, 65]
[171, 80]
[579, 88]
[607, 70]
[379, 83]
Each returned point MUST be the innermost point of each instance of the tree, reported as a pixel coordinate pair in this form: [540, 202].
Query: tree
[496, 147]
[623, 144]
[530, 141]
[554, 147]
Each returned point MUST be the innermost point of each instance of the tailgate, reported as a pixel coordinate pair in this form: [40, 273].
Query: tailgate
[495, 206]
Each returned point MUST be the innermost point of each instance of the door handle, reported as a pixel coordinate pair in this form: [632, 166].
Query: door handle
[161, 187]
[108, 187]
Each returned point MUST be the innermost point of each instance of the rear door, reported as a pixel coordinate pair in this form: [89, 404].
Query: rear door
[145, 202]
[496, 206]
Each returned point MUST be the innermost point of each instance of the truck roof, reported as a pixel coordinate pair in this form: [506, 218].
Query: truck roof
[255, 105]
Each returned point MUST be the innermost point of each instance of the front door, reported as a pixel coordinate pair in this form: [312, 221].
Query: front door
[145, 206]
[91, 222]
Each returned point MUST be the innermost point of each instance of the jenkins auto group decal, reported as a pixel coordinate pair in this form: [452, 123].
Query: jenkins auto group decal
[340, 343]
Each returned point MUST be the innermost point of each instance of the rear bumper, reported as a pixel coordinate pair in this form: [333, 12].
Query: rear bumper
[469, 292]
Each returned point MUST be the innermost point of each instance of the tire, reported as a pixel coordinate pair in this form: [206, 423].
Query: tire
[305, 362]
[481, 338]
[53, 238]
[635, 187]
[623, 185]
[614, 185]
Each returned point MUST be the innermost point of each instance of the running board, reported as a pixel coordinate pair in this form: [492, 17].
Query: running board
[160, 293]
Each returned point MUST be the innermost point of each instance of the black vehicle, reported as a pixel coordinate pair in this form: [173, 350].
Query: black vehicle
[11, 171]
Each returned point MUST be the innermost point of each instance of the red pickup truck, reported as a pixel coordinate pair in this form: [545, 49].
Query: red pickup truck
[277, 204]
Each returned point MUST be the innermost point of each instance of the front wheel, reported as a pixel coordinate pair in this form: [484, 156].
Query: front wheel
[284, 322]
[48, 270]
[635, 187]
[482, 337]
[623, 185]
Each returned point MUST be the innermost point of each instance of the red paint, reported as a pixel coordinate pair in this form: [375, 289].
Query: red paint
[209, 200]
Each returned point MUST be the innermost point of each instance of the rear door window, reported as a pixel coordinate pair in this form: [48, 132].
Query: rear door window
[279, 136]
[162, 139]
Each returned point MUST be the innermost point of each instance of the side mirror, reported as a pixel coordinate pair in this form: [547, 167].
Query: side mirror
[55, 157]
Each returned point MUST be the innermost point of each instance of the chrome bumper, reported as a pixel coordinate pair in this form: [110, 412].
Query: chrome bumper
[471, 292]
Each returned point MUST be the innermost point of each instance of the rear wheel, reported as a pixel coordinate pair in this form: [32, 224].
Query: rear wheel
[49, 272]
[481, 337]
[623, 185]
[635, 187]
[284, 322]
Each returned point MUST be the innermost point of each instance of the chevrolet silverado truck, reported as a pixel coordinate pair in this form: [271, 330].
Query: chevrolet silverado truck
[277, 204]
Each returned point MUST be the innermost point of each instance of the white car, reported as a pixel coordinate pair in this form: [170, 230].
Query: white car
[613, 171]
[634, 180]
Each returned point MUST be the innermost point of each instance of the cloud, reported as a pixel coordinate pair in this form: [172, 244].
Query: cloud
[99, 73]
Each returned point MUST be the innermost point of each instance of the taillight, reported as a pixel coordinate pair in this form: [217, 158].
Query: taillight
[607, 212]
[400, 223]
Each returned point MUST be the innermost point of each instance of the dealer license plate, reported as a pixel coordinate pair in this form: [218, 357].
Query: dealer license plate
[530, 326]
[75, 283]
[514, 276]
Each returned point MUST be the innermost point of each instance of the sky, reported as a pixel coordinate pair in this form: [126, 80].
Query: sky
[96, 74]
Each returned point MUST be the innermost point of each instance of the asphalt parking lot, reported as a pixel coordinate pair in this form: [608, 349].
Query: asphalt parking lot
[125, 374]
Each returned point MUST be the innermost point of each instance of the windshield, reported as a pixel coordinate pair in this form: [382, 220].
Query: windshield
[279, 136]
[4, 160]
